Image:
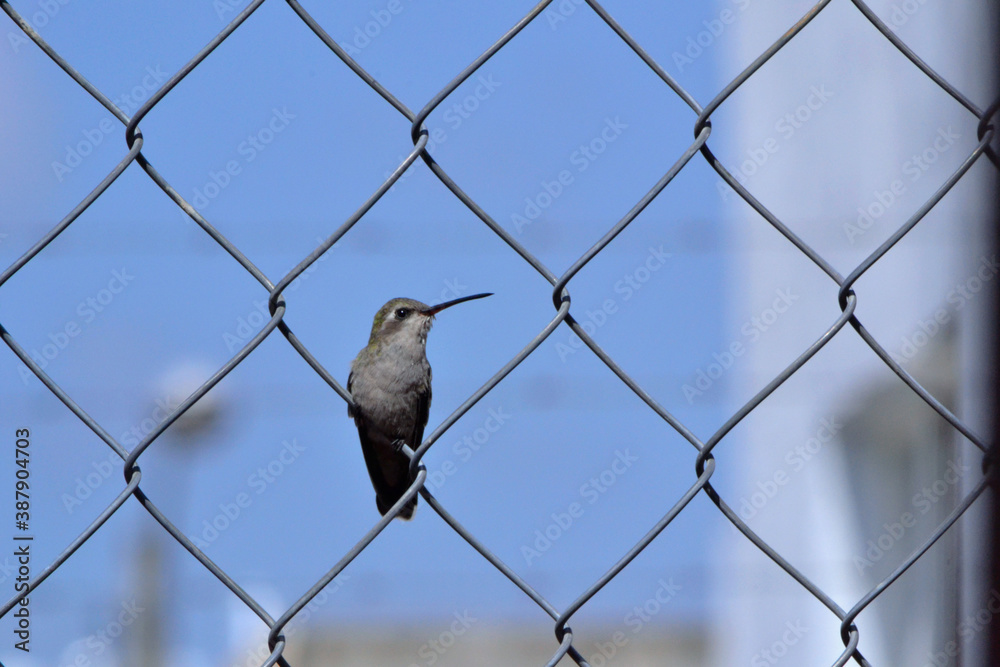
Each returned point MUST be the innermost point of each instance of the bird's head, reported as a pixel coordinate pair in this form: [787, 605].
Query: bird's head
[407, 320]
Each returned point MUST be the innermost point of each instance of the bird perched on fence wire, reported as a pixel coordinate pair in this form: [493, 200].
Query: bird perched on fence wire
[390, 386]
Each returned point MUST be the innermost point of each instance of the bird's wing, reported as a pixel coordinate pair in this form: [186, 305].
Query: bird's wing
[389, 469]
[382, 487]
[423, 411]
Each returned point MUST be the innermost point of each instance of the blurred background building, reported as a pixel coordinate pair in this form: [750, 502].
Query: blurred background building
[848, 471]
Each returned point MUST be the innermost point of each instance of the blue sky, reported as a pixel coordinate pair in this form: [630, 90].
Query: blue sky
[276, 142]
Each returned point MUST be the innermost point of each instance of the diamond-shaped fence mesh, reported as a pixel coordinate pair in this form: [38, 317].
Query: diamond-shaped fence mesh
[703, 460]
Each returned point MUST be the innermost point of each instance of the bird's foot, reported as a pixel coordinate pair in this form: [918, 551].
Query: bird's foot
[398, 444]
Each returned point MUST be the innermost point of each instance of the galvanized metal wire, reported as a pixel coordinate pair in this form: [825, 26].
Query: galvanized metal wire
[704, 461]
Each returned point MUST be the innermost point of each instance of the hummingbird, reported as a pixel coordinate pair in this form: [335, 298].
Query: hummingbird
[390, 384]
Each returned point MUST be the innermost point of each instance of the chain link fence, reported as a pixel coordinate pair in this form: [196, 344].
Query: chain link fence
[846, 324]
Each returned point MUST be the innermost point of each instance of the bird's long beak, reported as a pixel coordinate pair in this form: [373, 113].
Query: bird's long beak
[433, 310]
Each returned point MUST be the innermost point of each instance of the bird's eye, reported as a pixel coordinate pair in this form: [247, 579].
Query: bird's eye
[401, 313]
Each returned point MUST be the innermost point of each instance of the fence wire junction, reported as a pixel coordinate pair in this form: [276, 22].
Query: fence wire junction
[704, 462]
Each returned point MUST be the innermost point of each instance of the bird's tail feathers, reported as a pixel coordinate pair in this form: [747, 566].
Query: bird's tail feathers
[405, 514]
